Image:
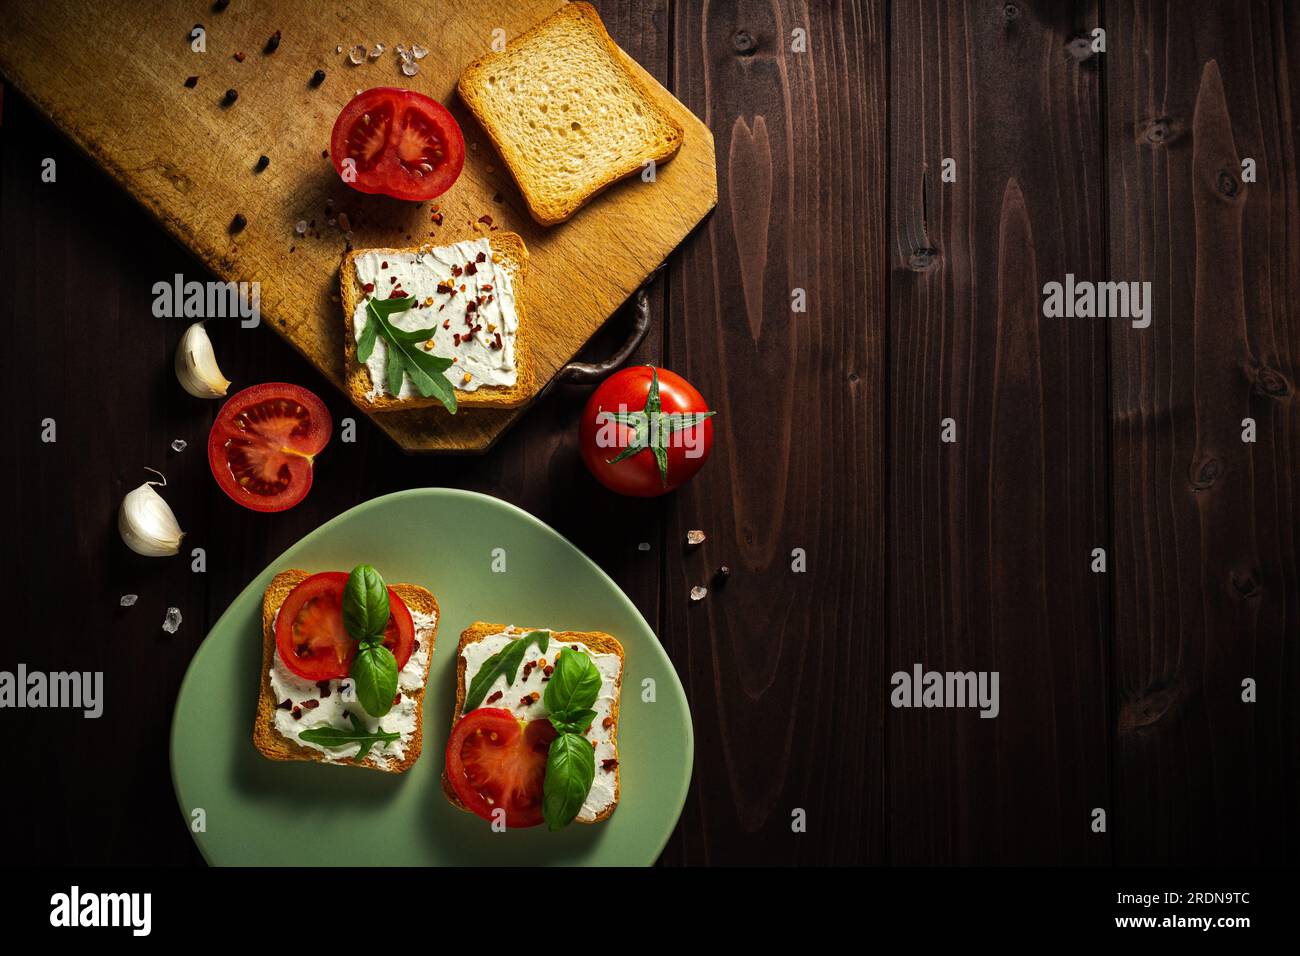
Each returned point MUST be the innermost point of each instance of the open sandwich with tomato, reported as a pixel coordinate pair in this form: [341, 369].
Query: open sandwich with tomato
[345, 662]
[534, 735]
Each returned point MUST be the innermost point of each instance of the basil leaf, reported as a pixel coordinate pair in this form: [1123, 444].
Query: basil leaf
[365, 603]
[570, 769]
[328, 736]
[576, 722]
[574, 684]
[374, 674]
[505, 661]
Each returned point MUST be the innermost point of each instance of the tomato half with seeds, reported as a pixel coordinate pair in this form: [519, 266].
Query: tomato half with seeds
[397, 142]
[264, 442]
[494, 760]
[311, 638]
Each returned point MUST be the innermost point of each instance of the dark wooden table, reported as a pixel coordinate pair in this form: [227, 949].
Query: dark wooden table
[1120, 690]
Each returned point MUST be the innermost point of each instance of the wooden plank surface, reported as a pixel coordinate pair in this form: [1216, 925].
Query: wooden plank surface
[780, 664]
[192, 164]
[1206, 577]
[990, 535]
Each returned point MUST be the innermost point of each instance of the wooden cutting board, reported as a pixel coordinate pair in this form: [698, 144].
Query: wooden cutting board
[112, 76]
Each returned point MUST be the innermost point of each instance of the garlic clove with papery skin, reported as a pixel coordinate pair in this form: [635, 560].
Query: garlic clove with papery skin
[146, 523]
[196, 365]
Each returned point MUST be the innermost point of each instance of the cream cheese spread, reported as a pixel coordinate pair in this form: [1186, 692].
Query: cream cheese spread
[533, 679]
[465, 297]
[335, 701]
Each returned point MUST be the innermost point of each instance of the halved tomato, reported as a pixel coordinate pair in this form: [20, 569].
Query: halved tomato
[263, 443]
[496, 761]
[311, 638]
[397, 142]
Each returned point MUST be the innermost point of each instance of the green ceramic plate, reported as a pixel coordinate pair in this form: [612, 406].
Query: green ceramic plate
[263, 812]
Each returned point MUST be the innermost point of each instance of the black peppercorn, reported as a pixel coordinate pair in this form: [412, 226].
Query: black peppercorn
[318, 78]
[238, 223]
[273, 43]
[262, 163]
[231, 96]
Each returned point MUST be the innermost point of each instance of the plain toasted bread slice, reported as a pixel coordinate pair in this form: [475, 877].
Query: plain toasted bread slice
[271, 742]
[596, 640]
[514, 257]
[566, 113]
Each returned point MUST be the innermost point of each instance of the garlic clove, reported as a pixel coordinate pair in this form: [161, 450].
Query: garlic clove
[196, 365]
[147, 525]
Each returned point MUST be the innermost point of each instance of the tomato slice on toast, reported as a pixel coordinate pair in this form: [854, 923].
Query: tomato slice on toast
[494, 760]
[311, 638]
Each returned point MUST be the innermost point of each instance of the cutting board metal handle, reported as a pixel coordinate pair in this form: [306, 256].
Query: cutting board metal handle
[590, 373]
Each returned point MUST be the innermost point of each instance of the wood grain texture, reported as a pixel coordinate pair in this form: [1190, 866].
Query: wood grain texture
[1206, 573]
[581, 271]
[990, 536]
[779, 664]
[973, 556]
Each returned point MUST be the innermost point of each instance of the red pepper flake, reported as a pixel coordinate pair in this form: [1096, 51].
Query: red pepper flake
[436, 219]
[284, 704]
[397, 293]
[481, 257]
[384, 264]
[471, 306]
[397, 698]
[607, 723]
[239, 57]
[471, 269]
[446, 323]
[456, 271]
[415, 647]
[493, 697]
[324, 687]
[311, 704]
[496, 344]
[456, 338]
[485, 219]
[297, 713]
[528, 668]
[392, 279]
[608, 765]
[368, 287]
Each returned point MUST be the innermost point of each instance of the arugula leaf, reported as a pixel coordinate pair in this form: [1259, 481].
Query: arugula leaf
[574, 686]
[365, 604]
[425, 369]
[376, 307]
[328, 736]
[505, 661]
[366, 344]
[570, 770]
[374, 675]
